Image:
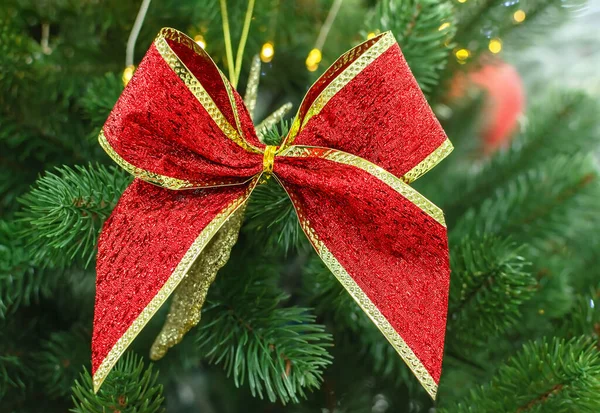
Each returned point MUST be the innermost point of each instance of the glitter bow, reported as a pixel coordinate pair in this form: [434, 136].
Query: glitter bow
[362, 134]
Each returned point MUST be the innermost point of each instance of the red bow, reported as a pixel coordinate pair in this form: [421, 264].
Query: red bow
[363, 132]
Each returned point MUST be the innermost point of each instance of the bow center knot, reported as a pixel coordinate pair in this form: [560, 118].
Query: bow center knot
[269, 158]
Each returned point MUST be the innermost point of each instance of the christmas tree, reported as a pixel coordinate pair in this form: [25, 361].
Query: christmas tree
[278, 332]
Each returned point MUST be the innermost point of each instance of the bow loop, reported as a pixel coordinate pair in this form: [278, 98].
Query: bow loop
[369, 104]
[179, 123]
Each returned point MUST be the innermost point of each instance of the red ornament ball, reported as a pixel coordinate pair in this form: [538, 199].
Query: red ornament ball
[504, 100]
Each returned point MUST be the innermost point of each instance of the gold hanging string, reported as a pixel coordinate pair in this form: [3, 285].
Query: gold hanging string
[227, 36]
[135, 31]
[242, 44]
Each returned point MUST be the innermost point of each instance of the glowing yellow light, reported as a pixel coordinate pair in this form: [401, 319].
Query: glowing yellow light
[267, 52]
[462, 54]
[519, 16]
[444, 26]
[462, 1]
[313, 60]
[495, 46]
[199, 39]
[128, 74]
[370, 35]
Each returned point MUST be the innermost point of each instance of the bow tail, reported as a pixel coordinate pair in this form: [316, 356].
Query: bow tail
[152, 240]
[384, 242]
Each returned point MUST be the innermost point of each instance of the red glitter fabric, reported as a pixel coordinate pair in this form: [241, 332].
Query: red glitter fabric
[390, 244]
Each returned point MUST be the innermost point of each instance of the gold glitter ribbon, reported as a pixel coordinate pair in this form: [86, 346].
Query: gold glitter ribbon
[189, 297]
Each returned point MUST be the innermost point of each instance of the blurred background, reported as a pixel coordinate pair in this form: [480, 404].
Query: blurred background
[515, 84]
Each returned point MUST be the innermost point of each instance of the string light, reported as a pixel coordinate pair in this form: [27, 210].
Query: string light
[444, 26]
[462, 55]
[370, 35]
[519, 16]
[200, 41]
[462, 1]
[127, 74]
[495, 46]
[267, 52]
[313, 60]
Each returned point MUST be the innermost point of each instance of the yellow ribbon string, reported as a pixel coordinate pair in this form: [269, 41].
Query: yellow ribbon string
[242, 45]
[227, 35]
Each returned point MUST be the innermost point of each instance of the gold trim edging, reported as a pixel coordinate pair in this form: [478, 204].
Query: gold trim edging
[378, 172]
[154, 178]
[167, 289]
[429, 162]
[394, 338]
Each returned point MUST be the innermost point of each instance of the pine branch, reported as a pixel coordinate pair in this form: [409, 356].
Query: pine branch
[551, 375]
[272, 220]
[20, 282]
[331, 301]
[280, 352]
[129, 388]
[63, 214]
[15, 366]
[416, 25]
[490, 281]
[60, 359]
[551, 202]
[100, 97]
[583, 319]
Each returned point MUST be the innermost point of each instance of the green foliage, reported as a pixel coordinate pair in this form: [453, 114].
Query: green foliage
[490, 281]
[547, 376]
[64, 212]
[15, 369]
[272, 219]
[548, 202]
[20, 282]
[100, 97]
[61, 358]
[583, 319]
[416, 25]
[330, 298]
[129, 388]
[275, 135]
[279, 351]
